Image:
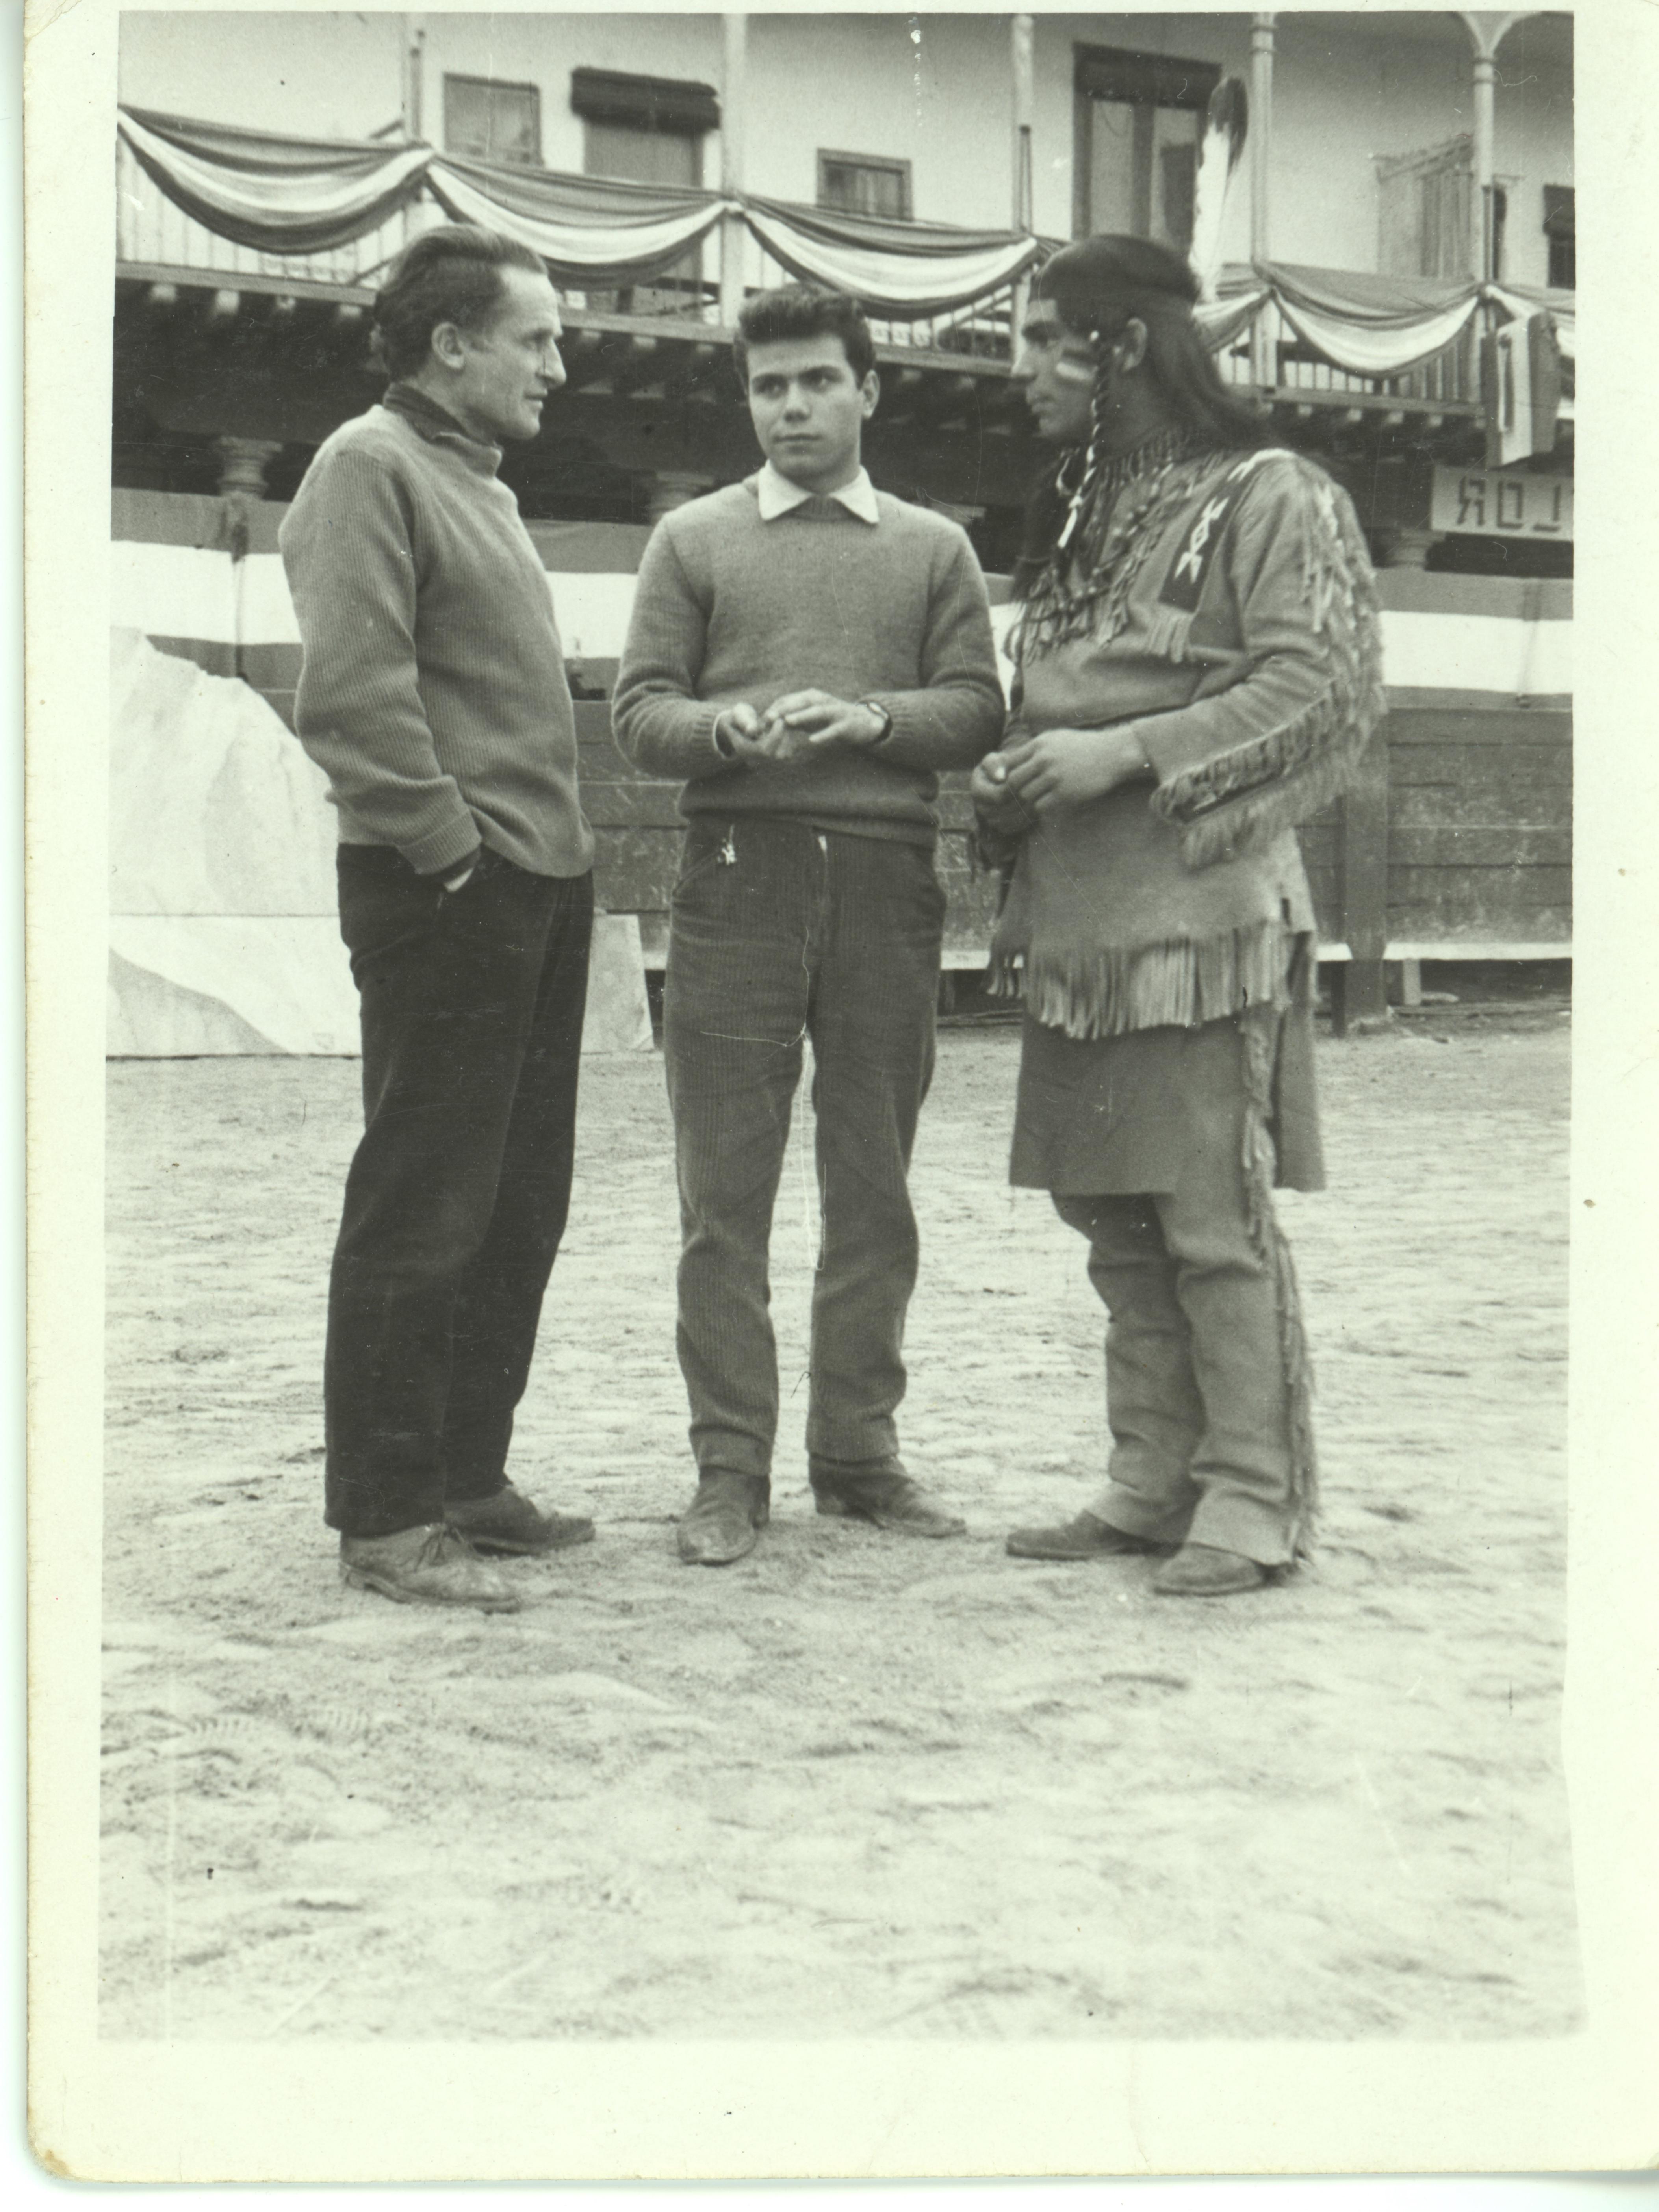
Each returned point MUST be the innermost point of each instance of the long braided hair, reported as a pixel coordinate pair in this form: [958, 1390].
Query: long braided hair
[1097, 286]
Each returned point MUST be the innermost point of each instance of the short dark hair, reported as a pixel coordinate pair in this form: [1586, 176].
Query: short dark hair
[803, 311]
[449, 275]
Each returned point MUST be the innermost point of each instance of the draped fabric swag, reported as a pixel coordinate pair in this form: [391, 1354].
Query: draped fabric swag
[292, 195]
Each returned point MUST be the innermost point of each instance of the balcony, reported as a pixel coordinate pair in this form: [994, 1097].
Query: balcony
[660, 331]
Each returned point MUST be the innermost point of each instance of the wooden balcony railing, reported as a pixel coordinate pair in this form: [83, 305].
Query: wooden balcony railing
[155, 237]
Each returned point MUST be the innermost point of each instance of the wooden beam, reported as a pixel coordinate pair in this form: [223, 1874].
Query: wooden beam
[1359, 991]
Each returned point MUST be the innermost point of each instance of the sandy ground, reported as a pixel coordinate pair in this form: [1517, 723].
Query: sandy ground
[857, 1785]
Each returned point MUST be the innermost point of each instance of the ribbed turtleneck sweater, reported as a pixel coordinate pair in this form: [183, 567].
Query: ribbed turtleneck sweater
[432, 691]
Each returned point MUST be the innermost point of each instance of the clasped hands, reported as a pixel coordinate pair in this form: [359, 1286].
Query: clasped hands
[1034, 776]
[796, 723]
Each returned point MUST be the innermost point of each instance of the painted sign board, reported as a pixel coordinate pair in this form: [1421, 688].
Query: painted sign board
[1500, 503]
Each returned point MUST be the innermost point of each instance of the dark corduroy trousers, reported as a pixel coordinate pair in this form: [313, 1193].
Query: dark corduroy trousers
[471, 1005]
[782, 932]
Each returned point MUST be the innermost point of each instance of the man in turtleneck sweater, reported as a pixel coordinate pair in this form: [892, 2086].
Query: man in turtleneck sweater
[808, 654]
[433, 694]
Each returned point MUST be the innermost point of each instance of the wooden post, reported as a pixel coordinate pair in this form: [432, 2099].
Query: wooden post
[1486, 29]
[733, 235]
[1020, 43]
[1023, 194]
[1264, 369]
[414, 76]
[1360, 994]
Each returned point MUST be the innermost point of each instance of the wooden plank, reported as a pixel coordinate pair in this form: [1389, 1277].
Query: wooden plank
[1480, 948]
[209, 653]
[606, 762]
[1477, 726]
[1363, 874]
[1405, 698]
[272, 667]
[1490, 904]
[631, 806]
[594, 724]
[1495, 802]
[1501, 845]
[634, 869]
[1542, 767]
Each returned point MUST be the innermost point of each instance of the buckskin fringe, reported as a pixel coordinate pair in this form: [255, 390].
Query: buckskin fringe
[1175, 984]
[1261, 1039]
[1281, 777]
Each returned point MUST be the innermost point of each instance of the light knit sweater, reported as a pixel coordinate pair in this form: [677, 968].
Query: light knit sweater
[730, 608]
[432, 691]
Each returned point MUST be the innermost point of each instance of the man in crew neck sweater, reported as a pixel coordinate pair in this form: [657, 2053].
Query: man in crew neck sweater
[433, 694]
[808, 654]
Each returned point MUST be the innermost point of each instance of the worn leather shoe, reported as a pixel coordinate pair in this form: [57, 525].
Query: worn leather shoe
[879, 1491]
[1201, 1570]
[724, 1520]
[1083, 1537]
[507, 1522]
[428, 1565]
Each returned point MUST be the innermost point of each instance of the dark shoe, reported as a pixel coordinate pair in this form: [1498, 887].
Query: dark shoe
[508, 1522]
[1200, 1570]
[1086, 1537]
[883, 1492]
[430, 1566]
[725, 1518]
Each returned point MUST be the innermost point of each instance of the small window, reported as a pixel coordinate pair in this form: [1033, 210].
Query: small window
[1559, 236]
[864, 184]
[642, 157]
[1426, 204]
[485, 121]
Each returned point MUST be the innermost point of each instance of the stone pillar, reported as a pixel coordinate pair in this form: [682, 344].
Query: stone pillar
[243, 463]
[672, 487]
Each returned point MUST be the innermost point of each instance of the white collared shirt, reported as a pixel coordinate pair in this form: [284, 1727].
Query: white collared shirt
[779, 496]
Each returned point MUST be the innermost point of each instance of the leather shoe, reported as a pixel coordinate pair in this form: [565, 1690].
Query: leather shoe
[724, 1520]
[427, 1565]
[1085, 1537]
[1201, 1570]
[507, 1522]
[879, 1491]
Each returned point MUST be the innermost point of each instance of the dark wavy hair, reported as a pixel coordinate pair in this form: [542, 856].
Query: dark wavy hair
[449, 275]
[1097, 286]
[803, 311]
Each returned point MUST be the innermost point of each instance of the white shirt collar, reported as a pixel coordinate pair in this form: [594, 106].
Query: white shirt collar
[779, 496]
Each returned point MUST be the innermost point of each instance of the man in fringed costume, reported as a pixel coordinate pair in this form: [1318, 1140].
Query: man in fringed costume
[1198, 672]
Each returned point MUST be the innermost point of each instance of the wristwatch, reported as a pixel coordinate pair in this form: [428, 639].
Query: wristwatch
[875, 706]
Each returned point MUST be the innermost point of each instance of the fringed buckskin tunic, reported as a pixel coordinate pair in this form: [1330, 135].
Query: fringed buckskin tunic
[1230, 618]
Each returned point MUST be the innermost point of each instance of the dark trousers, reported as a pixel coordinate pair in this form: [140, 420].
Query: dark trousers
[471, 1008]
[781, 932]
